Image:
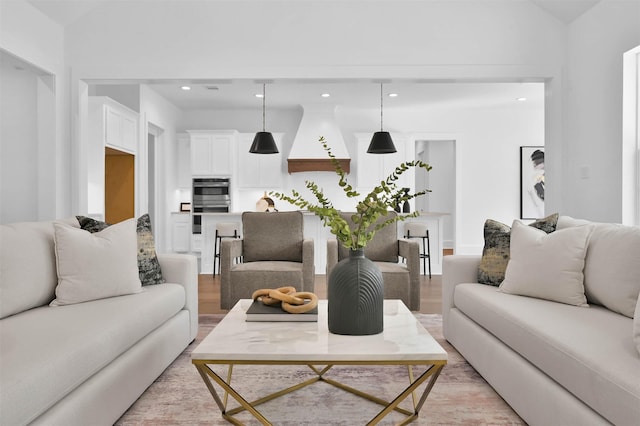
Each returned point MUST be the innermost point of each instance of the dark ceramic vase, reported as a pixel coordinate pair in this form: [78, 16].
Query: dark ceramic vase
[355, 296]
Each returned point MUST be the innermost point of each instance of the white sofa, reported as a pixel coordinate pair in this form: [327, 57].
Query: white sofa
[83, 363]
[555, 363]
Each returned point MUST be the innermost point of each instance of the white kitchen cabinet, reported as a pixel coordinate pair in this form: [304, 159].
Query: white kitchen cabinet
[372, 168]
[212, 152]
[116, 124]
[259, 170]
[181, 232]
[184, 162]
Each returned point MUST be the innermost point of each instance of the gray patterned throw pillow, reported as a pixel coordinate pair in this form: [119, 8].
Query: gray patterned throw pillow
[148, 265]
[495, 254]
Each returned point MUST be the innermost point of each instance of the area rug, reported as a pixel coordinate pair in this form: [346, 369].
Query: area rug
[459, 397]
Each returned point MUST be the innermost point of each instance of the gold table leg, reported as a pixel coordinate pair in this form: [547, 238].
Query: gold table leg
[431, 374]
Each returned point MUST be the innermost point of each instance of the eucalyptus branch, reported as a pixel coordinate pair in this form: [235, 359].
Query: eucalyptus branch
[374, 205]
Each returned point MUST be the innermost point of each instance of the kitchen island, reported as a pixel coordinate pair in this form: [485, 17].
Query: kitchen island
[202, 244]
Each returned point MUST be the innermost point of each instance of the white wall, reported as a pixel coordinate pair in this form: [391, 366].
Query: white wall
[161, 113]
[597, 41]
[18, 144]
[32, 37]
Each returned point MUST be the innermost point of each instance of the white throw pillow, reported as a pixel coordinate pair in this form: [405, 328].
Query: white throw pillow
[636, 325]
[612, 268]
[95, 266]
[547, 266]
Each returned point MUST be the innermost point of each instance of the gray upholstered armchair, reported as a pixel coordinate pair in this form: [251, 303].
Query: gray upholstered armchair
[401, 281]
[274, 252]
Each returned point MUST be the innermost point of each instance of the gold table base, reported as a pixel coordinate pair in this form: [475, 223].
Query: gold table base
[430, 375]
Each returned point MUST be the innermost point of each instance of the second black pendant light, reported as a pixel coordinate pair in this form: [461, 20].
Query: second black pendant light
[263, 142]
[381, 142]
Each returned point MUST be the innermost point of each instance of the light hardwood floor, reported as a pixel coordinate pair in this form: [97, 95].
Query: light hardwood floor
[209, 293]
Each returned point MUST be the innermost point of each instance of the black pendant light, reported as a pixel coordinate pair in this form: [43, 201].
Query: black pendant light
[381, 142]
[263, 142]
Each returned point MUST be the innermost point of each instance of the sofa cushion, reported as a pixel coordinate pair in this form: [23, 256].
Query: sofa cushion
[547, 266]
[495, 254]
[27, 257]
[52, 350]
[612, 269]
[589, 352]
[148, 265]
[272, 236]
[95, 266]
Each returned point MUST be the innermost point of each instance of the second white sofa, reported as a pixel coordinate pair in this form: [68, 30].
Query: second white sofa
[556, 363]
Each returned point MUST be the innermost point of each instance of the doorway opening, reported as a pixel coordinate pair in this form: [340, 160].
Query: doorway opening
[119, 185]
[441, 180]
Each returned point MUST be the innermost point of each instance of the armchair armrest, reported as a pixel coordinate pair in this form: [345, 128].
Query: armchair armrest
[456, 269]
[230, 248]
[410, 250]
[332, 255]
[183, 269]
[308, 265]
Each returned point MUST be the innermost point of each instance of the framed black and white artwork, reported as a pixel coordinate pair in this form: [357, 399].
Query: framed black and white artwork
[532, 182]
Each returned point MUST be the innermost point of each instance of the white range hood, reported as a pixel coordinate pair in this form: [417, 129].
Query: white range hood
[307, 154]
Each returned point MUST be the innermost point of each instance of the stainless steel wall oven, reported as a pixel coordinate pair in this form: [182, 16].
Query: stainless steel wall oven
[209, 195]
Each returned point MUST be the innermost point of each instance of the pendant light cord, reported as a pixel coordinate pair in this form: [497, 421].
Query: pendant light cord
[380, 106]
[263, 106]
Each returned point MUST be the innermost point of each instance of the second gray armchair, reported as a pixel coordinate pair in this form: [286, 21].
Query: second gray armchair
[401, 281]
[275, 254]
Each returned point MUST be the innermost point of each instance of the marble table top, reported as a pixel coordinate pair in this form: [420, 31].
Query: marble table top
[234, 339]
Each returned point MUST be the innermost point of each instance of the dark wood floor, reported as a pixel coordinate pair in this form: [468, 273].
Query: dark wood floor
[209, 293]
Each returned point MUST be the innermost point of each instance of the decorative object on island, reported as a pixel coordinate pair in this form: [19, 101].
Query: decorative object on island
[265, 204]
[263, 142]
[381, 142]
[356, 310]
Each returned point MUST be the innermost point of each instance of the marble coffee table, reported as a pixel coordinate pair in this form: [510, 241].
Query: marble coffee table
[235, 341]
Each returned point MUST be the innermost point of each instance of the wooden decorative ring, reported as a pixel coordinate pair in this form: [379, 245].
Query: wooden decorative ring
[300, 309]
[284, 297]
[261, 292]
[262, 295]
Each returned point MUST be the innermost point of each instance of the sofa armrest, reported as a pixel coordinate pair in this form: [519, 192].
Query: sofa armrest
[308, 265]
[456, 269]
[183, 269]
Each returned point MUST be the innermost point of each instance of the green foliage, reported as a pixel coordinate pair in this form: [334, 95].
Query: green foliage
[375, 204]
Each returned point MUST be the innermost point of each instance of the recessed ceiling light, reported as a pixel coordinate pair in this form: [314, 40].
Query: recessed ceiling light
[393, 95]
[259, 95]
[325, 95]
[185, 87]
[521, 99]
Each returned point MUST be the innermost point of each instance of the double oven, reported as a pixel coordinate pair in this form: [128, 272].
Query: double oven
[209, 195]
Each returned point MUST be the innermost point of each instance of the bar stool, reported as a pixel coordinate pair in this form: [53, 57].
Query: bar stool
[223, 230]
[420, 230]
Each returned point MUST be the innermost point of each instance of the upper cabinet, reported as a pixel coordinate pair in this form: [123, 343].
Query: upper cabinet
[184, 161]
[212, 152]
[259, 170]
[116, 124]
[372, 168]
